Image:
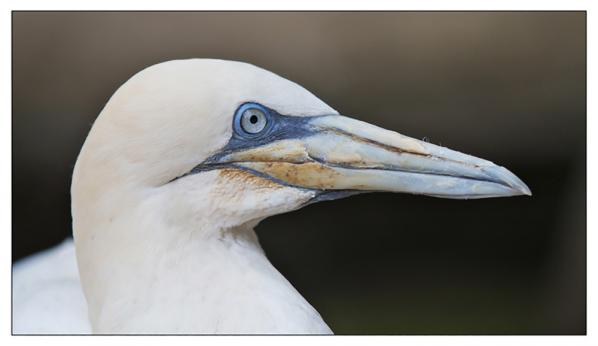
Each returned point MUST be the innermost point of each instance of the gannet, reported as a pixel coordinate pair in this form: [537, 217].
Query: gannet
[186, 158]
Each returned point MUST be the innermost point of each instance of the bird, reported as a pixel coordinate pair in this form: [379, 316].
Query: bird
[182, 163]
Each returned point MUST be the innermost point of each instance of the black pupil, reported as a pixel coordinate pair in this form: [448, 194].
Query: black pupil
[253, 119]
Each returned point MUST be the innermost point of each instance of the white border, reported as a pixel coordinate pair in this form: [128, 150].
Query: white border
[5, 165]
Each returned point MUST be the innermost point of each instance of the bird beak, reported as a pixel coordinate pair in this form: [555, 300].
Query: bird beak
[341, 153]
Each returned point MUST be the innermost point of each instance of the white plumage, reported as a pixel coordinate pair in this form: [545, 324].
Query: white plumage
[47, 296]
[168, 188]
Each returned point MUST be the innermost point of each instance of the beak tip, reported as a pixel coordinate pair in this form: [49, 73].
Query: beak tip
[504, 176]
[515, 183]
[527, 191]
[523, 190]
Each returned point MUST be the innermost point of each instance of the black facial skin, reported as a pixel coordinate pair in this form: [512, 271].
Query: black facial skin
[279, 127]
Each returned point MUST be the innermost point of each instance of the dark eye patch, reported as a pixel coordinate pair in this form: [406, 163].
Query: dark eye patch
[279, 127]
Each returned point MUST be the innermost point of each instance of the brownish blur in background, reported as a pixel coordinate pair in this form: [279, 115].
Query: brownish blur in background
[508, 87]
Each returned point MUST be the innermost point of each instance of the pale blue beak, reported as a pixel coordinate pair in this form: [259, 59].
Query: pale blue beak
[335, 152]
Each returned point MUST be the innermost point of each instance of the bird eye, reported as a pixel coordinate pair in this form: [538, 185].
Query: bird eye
[253, 120]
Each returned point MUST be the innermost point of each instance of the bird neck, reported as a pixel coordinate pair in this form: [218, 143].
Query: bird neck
[193, 281]
[175, 259]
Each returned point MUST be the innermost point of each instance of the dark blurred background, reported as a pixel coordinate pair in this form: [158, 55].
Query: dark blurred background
[506, 86]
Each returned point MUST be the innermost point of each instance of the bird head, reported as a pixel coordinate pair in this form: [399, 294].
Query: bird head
[238, 143]
[194, 150]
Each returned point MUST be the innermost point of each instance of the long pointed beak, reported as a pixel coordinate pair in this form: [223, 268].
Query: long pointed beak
[341, 153]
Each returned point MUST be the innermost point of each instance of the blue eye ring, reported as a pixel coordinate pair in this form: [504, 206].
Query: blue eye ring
[253, 109]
